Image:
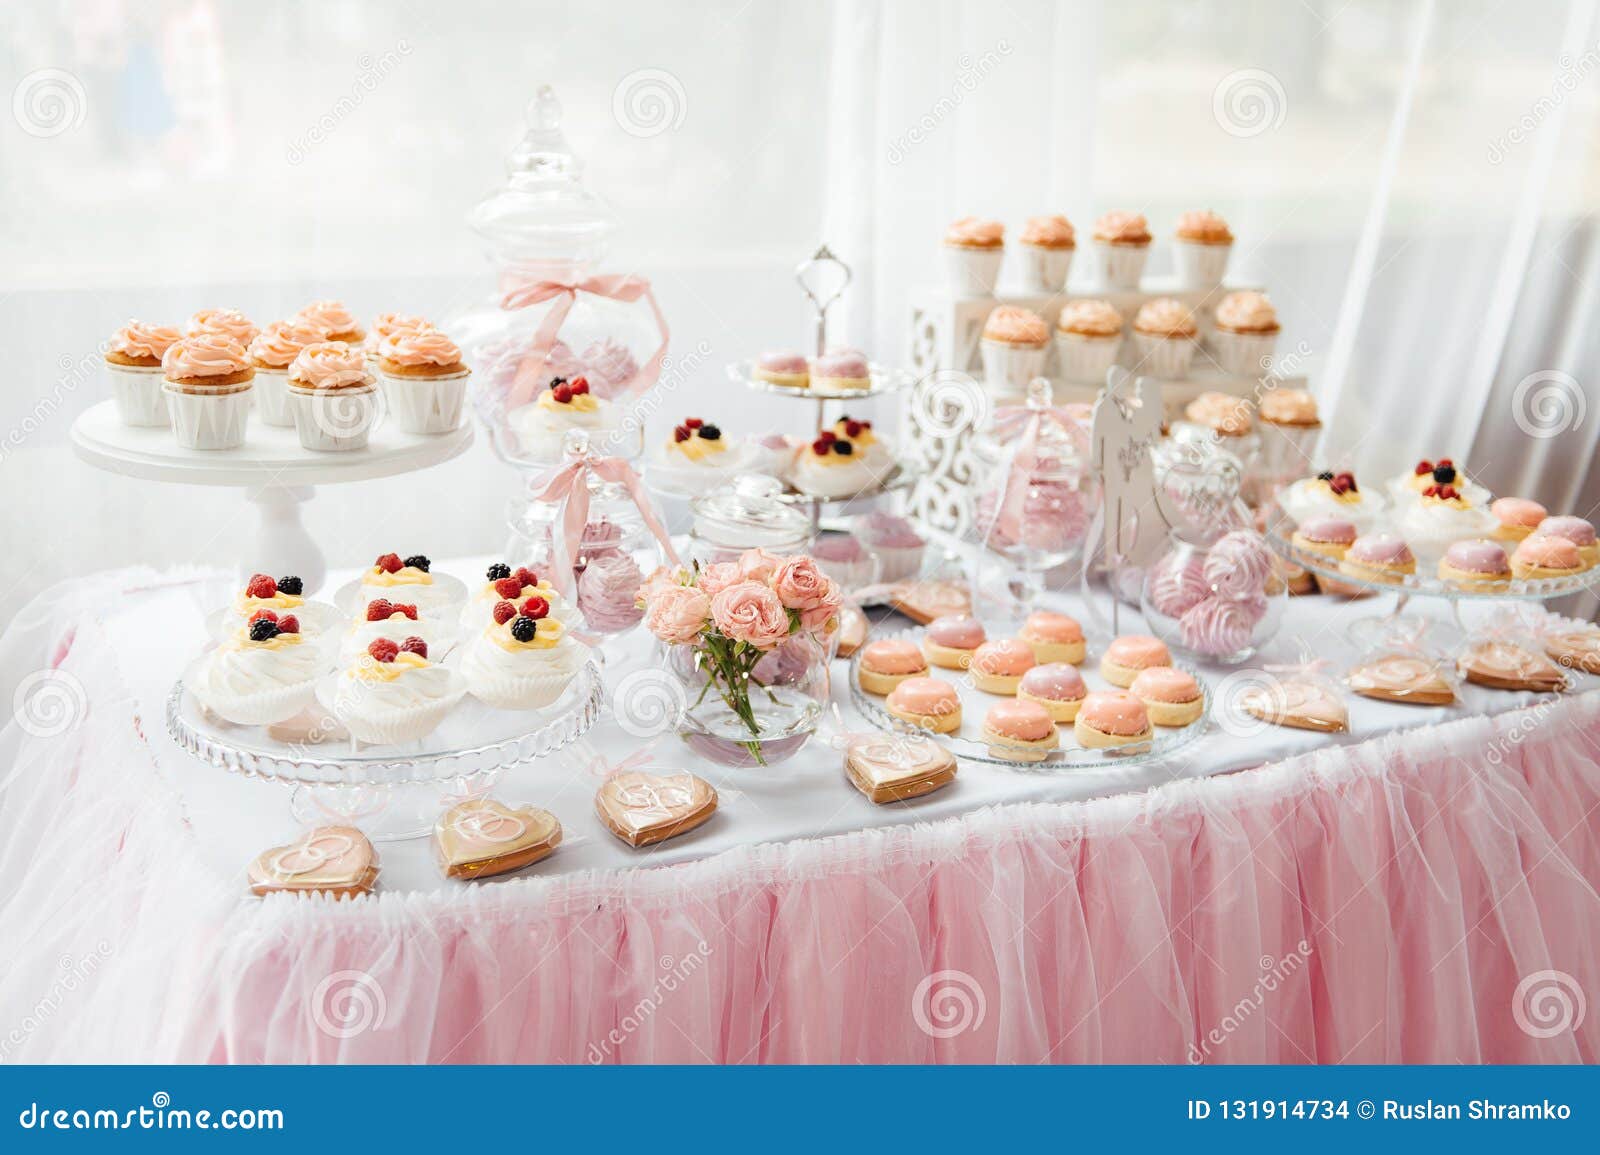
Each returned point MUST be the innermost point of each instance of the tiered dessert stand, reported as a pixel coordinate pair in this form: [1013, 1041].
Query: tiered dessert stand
[823, 279]
[945, 352]
[276, 473]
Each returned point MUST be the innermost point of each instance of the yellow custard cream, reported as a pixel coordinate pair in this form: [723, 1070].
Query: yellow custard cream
[405, 576]
[581, 403]
[241, 639]
[549, 635]
[278, 602]
[371, 670]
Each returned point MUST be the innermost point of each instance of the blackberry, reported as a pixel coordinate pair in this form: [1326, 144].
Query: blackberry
[843, 448]
[291, 585]
[554, 381]
[498, 571]
[1325, 475]
[419, 561]
[263, 630]
[1444, 474]
[523, 629]
[710, 433]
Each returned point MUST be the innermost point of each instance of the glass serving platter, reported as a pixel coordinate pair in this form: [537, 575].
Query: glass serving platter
[884, 381]
[968, 742]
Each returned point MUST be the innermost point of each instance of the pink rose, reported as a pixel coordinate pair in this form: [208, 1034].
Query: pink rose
[757, 565]
[818, 620]
[718, 576]
[662, 578]
[750, 612]
[677, 614]
[800, 585]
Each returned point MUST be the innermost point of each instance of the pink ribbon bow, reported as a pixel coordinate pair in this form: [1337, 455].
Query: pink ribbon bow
[1012, 506]
[569, 485]
[626, 289]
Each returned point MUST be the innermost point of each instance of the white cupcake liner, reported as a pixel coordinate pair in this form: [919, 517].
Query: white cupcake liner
[1008, 368]
[272, 397]
[973, 272]
[137, 391]
[1244, 354]
[263, 709]
[1286, 451]
[1200, 266]
[335, 420]
[425, 404]
[1084, 359]
[393, 725]
[898, 563]
[530, 691]
[1045, 270]
[1166, 357]
[209, 420]
[1119, 266]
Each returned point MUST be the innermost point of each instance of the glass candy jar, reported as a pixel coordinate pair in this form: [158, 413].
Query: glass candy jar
[746, 514]
[784, 697]
[1215, 594]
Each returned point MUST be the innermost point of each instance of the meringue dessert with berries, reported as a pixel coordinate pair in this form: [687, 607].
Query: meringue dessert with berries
[841, 462]
[285, 595]
[393, 693]
[264, 674]
[523, 659]
[504, 584]
[1335, 495]
[1409, 487]
[1438, 518]
[411, 580]
[697, 457]
[396, 621]
[564, 406]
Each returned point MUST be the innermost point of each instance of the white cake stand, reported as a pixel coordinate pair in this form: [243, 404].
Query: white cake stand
[277, 474]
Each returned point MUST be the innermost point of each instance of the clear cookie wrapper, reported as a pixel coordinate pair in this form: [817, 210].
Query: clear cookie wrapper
[1303, 695]
[1404, 665]
[1507, 649]
[1572, 643]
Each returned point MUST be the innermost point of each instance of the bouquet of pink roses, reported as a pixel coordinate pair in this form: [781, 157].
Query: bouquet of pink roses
[735, 614]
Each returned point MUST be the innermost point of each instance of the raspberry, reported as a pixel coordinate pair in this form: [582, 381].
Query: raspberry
[1448, 493]
[526, 576]
[263, 616]
[415, 645]
[524, 629]
[819, 447]
[263, 631]
[291, 585]
[1423, 467]
[1445, 461]
[692, 423]
[383, 649]
[853, 428]
[389, 563]
[866, 425]
[562, 394]
[681, 433]
[261, 586]
[408, 611]
[499, 570]
[580, 386]
[379, 609]
[289, 625]
[508, 587]
[419, 561]
[828, 435]
[535, 607]
[1431, 491]
[504, 612]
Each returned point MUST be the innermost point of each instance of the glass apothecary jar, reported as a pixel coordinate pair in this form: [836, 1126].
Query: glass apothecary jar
[746, 514]
[1215, 594]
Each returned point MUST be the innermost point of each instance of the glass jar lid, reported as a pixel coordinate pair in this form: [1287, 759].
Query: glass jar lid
[544, 215]
[1061, 448]
[747, 513]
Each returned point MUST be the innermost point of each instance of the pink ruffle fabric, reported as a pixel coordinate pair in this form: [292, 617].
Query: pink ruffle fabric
[1385, 902]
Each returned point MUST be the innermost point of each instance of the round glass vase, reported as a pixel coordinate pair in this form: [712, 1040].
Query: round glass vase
[758, 716]
[1214, 596]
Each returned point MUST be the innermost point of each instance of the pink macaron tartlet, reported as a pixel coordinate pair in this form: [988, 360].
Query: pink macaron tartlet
[1478, 564]
[1109, 719]
[1171, 697]
[997, 667]
[927, 703]
[1576, 530]
[950, 641]
[1379, 557]
[1020, 731]
[844, 369]
[1329, 537]
[1057, 686]
[885, 664]
[1518, 517]
[1054, 637]
[1542, 556]
[784, 368]
[1127, 656]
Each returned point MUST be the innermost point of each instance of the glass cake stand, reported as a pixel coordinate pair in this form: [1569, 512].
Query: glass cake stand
[968, 742]
[392, 791]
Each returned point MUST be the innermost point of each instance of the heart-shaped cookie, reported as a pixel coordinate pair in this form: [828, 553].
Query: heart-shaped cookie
[852, 630]
[1505, 666]
[642, 809]
[1575, 649]
[894, 767]
[336, 860]
[922, 601]
[1398, 678]
[481, 837]
[1300, 705]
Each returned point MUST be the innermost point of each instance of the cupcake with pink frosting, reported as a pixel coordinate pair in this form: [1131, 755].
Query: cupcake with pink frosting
[333, 321]
[208, 382]
[1014, 344]
[973, 250]
[423, 379]
[1088, 338]
[1246, 333]
[228, 322]
[1201, 249]
[1121, 246]
[386, 325]
[133, 366]
[271, 353]
[1047, 245]
[1164, 332]
[332, 397]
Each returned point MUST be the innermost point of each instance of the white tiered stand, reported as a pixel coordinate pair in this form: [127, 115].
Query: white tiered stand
[946, 332]
[276, 472]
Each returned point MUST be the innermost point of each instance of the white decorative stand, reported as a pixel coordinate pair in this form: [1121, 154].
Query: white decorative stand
[276, 472]
[945, 355]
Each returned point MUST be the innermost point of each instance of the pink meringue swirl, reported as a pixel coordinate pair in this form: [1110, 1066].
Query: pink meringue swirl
[608, 590]
[329, 317]
[280, 343]
[1217, 627]
[1177, 584]
[204, 355]
[419, 347]
[329, 365]
[139, 339]
[229, 321]
[1239, 565]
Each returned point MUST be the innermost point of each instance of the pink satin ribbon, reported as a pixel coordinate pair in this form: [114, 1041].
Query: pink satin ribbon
[569, 485]
[626, 289]
[1012, 506]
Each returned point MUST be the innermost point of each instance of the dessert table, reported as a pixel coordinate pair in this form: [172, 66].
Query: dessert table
[1419, 889]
